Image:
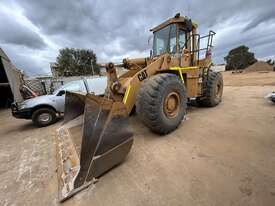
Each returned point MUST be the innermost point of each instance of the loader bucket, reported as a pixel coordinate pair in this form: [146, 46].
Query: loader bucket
[93, 139]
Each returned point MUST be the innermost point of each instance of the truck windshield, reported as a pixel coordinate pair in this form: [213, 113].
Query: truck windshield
[165, 40]
[74, 86]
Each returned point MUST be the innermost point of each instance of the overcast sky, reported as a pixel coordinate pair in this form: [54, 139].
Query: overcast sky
[33, 31]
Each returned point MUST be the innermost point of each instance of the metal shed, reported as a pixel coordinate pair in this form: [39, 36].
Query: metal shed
[10, 81]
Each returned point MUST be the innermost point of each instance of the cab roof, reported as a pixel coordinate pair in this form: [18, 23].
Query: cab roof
[176, 19]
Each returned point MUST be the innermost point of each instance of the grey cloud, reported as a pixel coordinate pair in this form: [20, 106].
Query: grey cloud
[265, 16]
[11, 32]
[117, 28]
[23, 61]
[259, 39]
[97, 22]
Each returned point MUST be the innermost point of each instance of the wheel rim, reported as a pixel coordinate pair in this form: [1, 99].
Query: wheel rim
[44, 117]
[171, 104]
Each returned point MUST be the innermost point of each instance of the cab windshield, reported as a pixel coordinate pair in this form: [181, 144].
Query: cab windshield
[165, 40]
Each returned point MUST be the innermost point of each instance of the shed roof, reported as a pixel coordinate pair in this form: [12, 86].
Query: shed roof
[3, 55]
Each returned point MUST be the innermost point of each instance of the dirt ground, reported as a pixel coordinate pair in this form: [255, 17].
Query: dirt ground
[218, 156]
[249, 79]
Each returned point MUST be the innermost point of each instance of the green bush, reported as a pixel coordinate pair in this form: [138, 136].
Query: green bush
[76, 62]
[239, 58]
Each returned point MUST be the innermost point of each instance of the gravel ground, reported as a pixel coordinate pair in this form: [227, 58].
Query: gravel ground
[218, 156]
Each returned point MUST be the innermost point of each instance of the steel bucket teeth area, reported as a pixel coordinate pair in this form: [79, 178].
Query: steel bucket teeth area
[94, 138]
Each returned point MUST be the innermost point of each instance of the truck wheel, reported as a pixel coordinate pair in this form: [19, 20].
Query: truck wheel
[162, 102]
[43, 117]
[213, 89]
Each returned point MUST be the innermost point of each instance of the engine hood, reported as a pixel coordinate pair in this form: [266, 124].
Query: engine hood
[40, 98]
[44, 99]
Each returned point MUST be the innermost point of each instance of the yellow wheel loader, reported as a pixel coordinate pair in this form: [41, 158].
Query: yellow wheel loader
[95, 135]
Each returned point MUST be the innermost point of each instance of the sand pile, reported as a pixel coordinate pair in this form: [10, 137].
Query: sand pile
[259, 66]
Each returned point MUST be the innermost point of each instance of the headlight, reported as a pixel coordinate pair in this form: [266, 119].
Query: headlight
[22, 106]
[270, 95]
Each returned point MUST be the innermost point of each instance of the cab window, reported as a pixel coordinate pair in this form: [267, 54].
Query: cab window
[173, 39]
[182, 39]
[161, 41]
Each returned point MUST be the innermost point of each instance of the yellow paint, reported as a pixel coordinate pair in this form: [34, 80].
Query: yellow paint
[181, 77]
[126, 94]
[183, 68]
[180, 69]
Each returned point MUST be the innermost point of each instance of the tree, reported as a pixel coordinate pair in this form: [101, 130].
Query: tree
[239, 58]
[75, 62]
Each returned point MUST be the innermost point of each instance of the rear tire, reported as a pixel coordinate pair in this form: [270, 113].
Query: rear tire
[213, 90]
[162, 102]
[43, 117]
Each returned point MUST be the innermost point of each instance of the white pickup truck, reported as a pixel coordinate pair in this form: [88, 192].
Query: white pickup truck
[44, 110]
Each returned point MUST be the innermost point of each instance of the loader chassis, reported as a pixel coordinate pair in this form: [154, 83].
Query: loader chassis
[95, 136]
[177, 54]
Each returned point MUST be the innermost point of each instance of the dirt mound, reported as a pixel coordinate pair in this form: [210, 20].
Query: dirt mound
[259, 66]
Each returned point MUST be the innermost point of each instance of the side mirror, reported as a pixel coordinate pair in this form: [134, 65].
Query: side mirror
[61, 92]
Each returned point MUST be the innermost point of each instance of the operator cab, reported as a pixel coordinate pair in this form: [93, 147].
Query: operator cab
[171, 36]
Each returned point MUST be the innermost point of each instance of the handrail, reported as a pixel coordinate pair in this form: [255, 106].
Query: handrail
[209, 43]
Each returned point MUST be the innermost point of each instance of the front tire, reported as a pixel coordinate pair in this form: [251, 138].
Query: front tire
[43, 117]
[162, 102]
